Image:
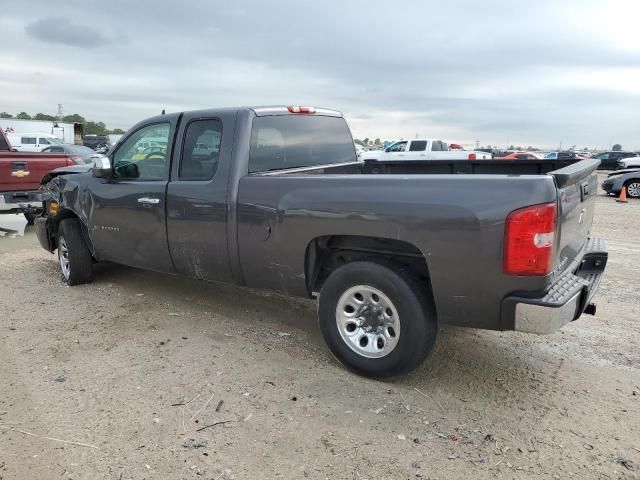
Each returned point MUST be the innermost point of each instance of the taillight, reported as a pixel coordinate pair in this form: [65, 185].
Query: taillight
[298, 109]
[70, 162]
[528, 240]
[472, 156]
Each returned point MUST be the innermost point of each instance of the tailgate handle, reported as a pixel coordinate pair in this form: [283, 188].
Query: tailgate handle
[585, 190]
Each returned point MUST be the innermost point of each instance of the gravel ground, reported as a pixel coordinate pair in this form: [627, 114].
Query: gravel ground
[147, 376]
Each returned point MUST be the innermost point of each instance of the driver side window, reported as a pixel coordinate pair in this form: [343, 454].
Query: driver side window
[143, 156]
[397, 147]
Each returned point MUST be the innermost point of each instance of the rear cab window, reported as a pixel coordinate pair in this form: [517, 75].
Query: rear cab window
[200, 150]
[280, 142]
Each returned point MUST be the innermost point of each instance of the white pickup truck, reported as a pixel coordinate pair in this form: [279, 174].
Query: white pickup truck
[423, 149]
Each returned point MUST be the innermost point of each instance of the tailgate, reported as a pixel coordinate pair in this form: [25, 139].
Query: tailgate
[20, 172]
[577, 186]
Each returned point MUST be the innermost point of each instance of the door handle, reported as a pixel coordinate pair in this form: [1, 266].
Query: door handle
[149, 200]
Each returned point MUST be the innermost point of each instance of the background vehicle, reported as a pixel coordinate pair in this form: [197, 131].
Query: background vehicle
[78, 153]
[618, 179]
[32, 142]
[424, 149]
[521, 156]
[97, 143]
[609, 160]
[20, 177]
[564, 156]
[629, 162]
[286, 205]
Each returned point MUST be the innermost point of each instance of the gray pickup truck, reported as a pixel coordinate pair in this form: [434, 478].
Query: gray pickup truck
[275, 198]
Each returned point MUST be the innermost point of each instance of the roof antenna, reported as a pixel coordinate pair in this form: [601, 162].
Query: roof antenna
[162, 112]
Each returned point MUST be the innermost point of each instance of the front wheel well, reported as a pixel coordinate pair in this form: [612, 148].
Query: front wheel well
[325, 254]
[63, 214]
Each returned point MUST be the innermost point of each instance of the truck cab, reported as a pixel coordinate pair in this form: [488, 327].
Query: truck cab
[423, 149]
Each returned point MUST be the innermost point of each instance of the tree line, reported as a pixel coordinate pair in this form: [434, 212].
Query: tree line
[90, 127]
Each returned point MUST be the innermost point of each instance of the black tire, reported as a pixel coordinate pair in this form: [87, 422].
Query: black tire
[31, 217]
[417, 321]
[78, 256]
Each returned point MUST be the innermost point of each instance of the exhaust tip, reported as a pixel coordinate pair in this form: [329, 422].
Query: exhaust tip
[590, 309]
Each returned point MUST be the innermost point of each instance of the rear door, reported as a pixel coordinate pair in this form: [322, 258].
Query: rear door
[127, 222]
[197, 196]
[418, 150]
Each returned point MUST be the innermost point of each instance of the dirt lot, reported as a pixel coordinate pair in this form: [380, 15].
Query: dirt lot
[142, 370]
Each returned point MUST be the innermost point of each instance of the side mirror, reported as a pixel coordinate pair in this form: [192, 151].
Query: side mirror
[102, 167]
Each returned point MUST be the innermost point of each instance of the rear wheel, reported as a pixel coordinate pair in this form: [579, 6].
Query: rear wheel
[376, 318]
[74, 257]
[633, 188]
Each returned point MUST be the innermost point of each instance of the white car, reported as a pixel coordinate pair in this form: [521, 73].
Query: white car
[32, 142]
[630, 162]
[424, 149]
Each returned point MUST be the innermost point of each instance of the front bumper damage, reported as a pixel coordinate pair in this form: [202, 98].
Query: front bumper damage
[568, 298]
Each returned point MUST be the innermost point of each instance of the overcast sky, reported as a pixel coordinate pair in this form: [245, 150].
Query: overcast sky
[524, 72]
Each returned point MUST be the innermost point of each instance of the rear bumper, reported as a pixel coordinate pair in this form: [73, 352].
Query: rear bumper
[565, 300]
[20, 201]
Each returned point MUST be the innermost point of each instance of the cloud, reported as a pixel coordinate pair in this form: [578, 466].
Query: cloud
[518, 72]
[62, 31]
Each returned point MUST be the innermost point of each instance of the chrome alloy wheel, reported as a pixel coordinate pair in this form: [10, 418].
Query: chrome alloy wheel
[368, 321]
[633, 189]
[63, 257]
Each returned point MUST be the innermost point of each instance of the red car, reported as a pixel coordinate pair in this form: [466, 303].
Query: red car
[520, 156]
[20, 176]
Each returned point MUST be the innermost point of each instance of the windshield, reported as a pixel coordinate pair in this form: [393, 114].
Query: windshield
[290, 141]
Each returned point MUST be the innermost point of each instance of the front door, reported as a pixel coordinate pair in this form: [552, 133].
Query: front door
[197, 196]
[395, 151]
[127, 220]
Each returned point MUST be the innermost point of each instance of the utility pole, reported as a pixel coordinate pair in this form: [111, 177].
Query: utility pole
[477, 143]
[59, 111]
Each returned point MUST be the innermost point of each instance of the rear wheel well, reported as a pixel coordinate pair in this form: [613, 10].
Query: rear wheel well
[325, 254]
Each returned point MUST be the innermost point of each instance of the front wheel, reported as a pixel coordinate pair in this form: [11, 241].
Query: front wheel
[76, 262]
[377, 318]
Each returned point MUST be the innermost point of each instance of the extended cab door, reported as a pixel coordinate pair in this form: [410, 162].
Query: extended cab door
[418, 150]
[127, 218]
[197, 195]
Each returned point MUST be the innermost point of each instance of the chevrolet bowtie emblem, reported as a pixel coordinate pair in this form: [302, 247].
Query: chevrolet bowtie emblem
[19, 173]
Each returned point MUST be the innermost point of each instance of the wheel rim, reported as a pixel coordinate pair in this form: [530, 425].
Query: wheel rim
[633, 189]
[368, 321]
[63, 257]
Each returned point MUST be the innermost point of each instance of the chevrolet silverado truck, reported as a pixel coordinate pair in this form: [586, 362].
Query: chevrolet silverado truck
[423, 149]
[275, 198]
[20, 177]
